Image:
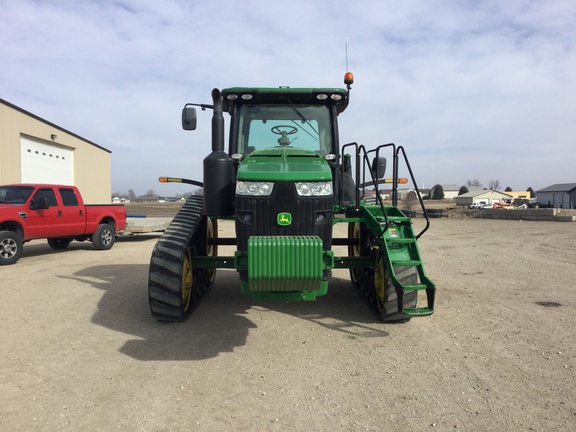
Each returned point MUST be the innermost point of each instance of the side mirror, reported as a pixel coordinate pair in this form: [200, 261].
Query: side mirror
[189, 118]
[39, 203]
[379, 167]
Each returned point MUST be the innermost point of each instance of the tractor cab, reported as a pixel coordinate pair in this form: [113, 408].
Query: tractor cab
[285, 117]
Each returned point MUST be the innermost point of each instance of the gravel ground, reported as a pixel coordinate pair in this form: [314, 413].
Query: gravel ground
[80, 350]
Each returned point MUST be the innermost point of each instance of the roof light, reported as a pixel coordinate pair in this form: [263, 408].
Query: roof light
[322, 96]
[246, 96]
[336, 96]
[232, 96]
[348, 78]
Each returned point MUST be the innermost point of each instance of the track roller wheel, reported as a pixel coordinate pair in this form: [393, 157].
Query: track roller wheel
[187, 283]
[361, 247]
[211, 249]
[384, 297]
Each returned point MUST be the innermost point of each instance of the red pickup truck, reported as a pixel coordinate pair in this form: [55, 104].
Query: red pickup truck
[55, 212]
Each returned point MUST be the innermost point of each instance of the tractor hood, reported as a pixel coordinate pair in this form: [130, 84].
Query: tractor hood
[284, 164]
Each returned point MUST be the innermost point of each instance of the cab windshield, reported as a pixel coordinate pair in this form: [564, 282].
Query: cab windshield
[15, 194]
[298, 126]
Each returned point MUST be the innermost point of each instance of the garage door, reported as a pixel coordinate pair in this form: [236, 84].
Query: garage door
[44, 162]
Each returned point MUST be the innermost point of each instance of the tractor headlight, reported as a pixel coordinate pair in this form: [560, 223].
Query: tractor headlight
[251, 188]
[314, 188]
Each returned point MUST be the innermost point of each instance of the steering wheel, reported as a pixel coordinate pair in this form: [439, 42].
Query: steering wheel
[291, 130]
[284, 140]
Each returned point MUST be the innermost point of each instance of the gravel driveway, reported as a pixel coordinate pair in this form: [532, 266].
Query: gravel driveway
[81, 352]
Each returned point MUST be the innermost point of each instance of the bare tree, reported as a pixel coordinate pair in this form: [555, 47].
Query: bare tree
[494, 184]
[132, 195]
[473, 182]
[410, 200]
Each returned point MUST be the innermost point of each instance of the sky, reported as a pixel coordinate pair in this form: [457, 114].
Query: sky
[471, 89]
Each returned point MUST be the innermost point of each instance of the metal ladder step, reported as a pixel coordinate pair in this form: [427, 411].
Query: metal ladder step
[414, 287]
[393, 219]
[411, 263]
[400, 240]
[417, 311]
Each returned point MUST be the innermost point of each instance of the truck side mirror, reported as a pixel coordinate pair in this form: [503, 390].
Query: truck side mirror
[379, 167]
[189, 118]
[39, 203]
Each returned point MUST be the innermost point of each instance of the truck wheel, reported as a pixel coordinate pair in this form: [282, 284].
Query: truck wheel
[10, 247]
[385, 297]
[103, 238]
[58, 243]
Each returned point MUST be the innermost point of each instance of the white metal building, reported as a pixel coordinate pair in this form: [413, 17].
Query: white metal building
[33, 150]
[485, 196]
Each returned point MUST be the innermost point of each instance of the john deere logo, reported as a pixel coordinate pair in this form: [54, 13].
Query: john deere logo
[284, 219]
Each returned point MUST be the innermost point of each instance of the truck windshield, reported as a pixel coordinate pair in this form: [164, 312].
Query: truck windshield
[15, 194]
[301, 126]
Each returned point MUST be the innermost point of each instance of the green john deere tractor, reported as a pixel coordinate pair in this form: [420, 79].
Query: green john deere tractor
[286, 182]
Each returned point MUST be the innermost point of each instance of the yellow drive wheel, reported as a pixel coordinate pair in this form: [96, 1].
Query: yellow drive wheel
[187, 281]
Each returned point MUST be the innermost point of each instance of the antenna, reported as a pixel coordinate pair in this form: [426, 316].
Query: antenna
[348, 77]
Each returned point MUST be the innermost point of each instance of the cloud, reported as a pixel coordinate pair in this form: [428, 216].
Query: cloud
[471, 89]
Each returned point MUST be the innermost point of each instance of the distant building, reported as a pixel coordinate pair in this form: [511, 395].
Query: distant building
[518, 194]
[561, 195]
[485, 196]
[450, 191]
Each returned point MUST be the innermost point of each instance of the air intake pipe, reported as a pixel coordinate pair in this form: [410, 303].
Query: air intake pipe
[219, 173]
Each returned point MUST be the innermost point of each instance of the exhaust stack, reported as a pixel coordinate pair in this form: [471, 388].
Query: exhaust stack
[219, 174]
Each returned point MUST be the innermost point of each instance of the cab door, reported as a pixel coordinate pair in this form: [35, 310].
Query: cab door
[42, 222]
[72, 215]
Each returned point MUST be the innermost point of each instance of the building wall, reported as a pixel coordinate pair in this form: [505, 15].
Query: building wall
[518, 194]
[557, 199]
[91, 169]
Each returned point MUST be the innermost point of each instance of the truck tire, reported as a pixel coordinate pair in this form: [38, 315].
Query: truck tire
[58, 243]
[10, 247]
[103, 238]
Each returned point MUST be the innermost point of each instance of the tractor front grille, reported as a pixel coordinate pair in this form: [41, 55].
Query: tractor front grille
[258, 216]
[285, 263]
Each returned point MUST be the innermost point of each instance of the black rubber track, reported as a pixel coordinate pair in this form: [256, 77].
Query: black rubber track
[363, 282]
[187, 230]
[389, 312]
